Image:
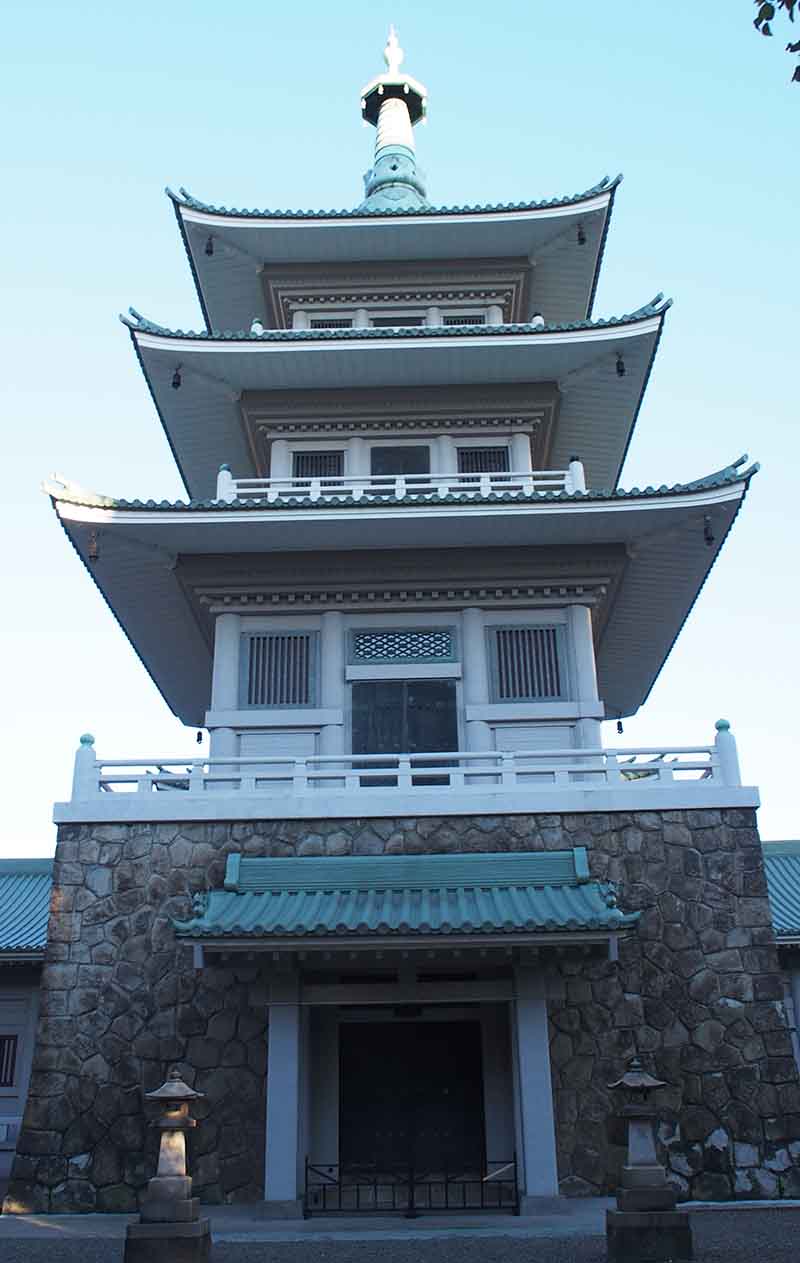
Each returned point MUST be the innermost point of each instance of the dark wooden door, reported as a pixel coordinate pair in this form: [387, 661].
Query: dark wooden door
[404, 716]
[411, 1096]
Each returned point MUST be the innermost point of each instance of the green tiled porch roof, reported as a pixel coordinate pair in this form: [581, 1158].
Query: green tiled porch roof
[782, 865]
[183, 198]
[24, 906]
[407, 897]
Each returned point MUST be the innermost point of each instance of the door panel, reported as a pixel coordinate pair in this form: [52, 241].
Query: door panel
[404, 716]
[411, 1095]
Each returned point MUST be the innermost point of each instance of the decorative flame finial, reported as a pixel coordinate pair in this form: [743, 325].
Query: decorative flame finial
[393, 54]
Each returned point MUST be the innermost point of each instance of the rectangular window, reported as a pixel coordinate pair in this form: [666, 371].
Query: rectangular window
[527, 663]
[423, 644]
[331, 322]
[483, 460]
[8, 1060]
[317, 464]
[279, 669]
[464, 320]
[397, 322]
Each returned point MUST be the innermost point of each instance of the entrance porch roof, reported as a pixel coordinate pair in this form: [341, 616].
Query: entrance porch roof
[407, 897]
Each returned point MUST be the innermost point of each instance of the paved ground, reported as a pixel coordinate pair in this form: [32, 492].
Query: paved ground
[722, 1234]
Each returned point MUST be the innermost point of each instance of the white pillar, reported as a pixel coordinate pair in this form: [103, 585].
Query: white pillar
[476, 676]
[579, 622]
[361, 318]
[520, 453]
[577, 475]
[433, 316]
[539, 1173]
[300, 320]
[84, 777]
[280, 460]
[283, 1092]
[447, 460]
[494, 315]
[226, 486]
[332, 692]
[225, 678]
[358, 457]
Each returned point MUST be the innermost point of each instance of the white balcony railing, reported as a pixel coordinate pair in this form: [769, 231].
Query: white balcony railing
[454, 782]
[401, 486]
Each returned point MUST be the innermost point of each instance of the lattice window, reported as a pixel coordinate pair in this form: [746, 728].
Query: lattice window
[279, 669]
[464, 320]
[483, 460]
[331, 322]
[527, 663]
[313, 464]
[429, 644]
[8, 1060]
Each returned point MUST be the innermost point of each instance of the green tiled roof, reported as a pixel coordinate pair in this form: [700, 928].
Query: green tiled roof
[24, 905]
[722, 478]
[402, 896]
[140, 324]
[183, 198]
[782, 865]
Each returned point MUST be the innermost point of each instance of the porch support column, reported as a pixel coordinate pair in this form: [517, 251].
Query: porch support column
[538, 1175]
[476, 677]
[580, 625]
[283, 1097]
[331, 738]
[280, 462]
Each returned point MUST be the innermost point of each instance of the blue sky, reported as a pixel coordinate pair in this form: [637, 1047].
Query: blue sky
[257, 105]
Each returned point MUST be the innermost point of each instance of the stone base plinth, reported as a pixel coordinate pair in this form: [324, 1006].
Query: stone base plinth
[168, 1242]
[639, 1199]
[648, 1236]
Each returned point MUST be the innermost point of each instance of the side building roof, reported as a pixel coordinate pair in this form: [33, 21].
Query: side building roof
[25, 887]
[782, 866]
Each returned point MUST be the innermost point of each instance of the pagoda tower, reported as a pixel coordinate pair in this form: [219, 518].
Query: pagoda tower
[403, 592]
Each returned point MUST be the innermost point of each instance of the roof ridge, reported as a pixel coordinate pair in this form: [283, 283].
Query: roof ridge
[184, 198]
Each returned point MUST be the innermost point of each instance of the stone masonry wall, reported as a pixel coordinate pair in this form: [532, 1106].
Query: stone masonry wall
[697, 988]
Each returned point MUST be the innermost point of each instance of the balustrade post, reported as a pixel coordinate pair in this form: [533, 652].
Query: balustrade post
[576, 475]
[226, 485]
[727, 756]
[84, 777]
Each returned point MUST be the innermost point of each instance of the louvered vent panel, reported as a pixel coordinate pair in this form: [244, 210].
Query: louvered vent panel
[527, 663]
[280, 669]
[8, 1060]
[427, 645]
[483, 460]
[332, 322]
[464, 320]
[317, 464]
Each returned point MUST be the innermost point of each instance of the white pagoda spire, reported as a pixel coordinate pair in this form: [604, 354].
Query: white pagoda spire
[393, 102]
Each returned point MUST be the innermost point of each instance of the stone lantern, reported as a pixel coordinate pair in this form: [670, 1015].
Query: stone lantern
[645, 1226]
[170, 1227]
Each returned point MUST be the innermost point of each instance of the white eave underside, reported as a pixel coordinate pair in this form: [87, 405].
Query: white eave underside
[667, 564]
[563, 276]
[204, 424]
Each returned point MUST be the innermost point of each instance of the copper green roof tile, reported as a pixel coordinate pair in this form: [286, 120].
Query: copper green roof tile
[407, 896]
[782, 865]
[183, 198]
[138, 323]
[24, 905]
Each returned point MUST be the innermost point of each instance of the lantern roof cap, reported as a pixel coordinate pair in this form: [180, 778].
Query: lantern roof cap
[174, 1089]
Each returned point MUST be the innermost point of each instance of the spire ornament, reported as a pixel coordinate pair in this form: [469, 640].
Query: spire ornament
[393, 102]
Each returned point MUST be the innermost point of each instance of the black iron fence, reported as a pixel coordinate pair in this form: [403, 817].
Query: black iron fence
[331, 1189]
